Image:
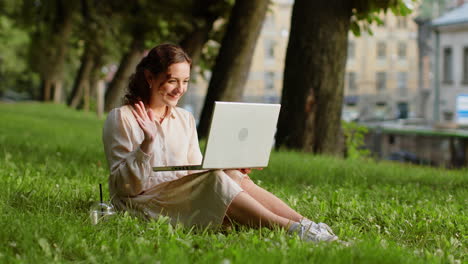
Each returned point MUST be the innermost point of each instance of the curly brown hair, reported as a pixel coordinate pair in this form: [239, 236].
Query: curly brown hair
[157, 61]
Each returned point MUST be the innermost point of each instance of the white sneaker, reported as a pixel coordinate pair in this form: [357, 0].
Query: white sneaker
[312, 232]
[322, 230]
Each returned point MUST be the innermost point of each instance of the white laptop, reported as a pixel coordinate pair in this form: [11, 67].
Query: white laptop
[241, 136]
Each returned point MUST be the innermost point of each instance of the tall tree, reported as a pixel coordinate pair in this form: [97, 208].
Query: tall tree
[81, 84]
[53, 24]
[149, 27]
[99, 30]
[314, 70]
[127, 65]
[204, 14]
[234, 58]
[14, 72]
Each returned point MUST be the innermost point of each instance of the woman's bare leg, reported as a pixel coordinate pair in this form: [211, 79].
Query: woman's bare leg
[244, 209]
[270, 201]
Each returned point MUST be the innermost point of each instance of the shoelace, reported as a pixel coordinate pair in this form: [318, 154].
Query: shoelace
[311, 229]
[330, 231]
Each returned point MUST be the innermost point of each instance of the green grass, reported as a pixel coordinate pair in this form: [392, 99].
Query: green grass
[51, 161]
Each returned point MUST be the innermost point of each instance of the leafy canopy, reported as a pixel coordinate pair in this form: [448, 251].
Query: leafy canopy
[366, 12]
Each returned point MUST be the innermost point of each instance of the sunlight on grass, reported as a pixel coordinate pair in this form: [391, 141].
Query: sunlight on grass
[51, 162]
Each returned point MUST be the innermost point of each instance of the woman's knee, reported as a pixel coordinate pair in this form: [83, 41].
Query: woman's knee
[237, 176]
[219, 177]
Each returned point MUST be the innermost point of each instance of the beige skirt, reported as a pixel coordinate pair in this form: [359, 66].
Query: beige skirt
[199, 199]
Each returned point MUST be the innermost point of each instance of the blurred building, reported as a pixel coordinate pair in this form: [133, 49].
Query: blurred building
[381, 73]
[450, 60]
[381, 76]
[265, 79]
[266, 73]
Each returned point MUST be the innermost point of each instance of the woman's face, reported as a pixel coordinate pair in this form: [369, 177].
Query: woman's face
[169, 87]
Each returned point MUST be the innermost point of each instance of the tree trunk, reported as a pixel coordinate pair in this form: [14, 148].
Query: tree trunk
[116, 89]
[96, 73]
[235, 56]
[100, 87]
[94, 80]
[47, 90]
[195, 40]
[205, 13]
[193, 45]
[86, 96]
[310, 118]
[58, 89]
[53, 48]
[82, 79]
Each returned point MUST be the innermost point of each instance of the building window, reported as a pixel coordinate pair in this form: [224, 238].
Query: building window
[381, 81]
[352, 81]
[270, 49]
[448, 78]
[351, 50]
[401, 22]
[402, 80]
[269, 80]
[380, 110]
[465, 65]
[403, 110]
[381, 50]
[402, 50]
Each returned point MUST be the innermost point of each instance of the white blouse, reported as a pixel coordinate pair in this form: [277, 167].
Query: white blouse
[130, 168]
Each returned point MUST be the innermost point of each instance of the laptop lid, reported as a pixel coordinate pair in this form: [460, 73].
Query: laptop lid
[241, 135]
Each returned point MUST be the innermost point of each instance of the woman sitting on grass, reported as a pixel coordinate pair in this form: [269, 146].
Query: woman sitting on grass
[149, 130]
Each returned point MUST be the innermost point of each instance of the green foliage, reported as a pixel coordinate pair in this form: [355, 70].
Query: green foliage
[100, 26]
[354, 138]
[218, 11]
[208, 58]
[14, 71]
[51, 161]
[35, 45]
[367, 12]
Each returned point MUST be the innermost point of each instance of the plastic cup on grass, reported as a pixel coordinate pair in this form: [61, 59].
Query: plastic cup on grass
[101, 211]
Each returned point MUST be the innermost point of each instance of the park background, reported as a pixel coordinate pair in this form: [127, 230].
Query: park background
[360, 82]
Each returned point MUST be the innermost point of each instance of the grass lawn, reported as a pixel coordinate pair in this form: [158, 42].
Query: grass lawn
[51, 161]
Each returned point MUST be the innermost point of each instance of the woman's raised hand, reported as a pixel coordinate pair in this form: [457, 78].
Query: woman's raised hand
[146, 121]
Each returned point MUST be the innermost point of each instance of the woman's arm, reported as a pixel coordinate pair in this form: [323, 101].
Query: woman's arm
[127, 158]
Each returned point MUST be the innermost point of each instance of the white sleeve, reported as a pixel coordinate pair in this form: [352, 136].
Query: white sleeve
[129, 165]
